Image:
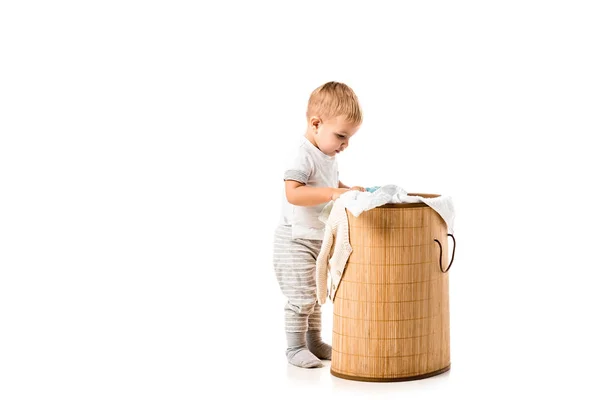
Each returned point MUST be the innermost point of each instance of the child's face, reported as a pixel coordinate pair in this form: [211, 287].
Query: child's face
[333, 136]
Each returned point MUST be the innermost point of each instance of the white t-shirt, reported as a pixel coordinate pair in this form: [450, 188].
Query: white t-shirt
[313, 168]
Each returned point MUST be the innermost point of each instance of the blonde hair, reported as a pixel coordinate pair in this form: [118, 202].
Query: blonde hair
[333, 99]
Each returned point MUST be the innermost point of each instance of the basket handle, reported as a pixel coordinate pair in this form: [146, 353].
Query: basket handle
[453, 250]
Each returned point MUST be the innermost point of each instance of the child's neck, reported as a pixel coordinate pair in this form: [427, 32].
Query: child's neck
[311, 137]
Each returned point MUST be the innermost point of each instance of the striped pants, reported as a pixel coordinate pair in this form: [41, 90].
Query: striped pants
[295, 267]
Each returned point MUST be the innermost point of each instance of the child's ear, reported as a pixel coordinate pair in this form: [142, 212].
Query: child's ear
[315, 122]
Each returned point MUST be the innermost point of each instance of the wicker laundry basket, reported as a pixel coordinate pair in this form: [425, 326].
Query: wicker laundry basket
[391, 310]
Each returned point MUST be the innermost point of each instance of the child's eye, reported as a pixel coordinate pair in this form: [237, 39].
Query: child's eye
[340, 136]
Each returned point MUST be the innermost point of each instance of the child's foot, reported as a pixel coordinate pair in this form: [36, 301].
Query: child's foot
[303, 358]
[317, 346]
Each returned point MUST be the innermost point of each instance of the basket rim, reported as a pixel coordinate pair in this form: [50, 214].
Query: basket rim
[409, 205]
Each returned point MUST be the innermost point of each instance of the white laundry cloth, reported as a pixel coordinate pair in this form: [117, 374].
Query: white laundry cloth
[334, 253]
[357, 202]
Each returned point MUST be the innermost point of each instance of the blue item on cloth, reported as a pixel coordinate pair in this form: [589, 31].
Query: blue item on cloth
[372, 189]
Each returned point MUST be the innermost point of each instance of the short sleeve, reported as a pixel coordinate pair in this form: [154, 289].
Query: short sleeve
[299, 169]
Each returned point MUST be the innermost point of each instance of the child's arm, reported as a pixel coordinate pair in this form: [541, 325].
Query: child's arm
[299, 194]
[359, 188]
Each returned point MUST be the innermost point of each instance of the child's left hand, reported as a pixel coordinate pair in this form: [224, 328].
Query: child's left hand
[359, 188]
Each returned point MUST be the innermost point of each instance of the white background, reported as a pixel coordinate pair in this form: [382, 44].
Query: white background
[141, 155]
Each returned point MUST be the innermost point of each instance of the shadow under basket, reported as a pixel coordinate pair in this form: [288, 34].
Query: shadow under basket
[391, 310]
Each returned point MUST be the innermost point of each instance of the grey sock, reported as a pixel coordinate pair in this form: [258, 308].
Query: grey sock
[317, 346]
[298, 354]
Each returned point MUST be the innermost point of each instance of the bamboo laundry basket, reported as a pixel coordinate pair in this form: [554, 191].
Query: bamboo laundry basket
[391, 310]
